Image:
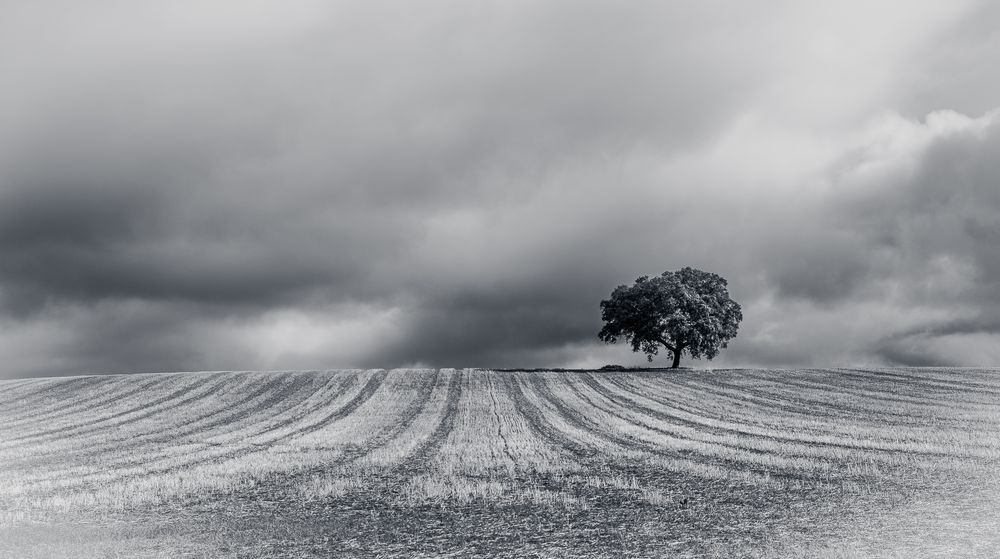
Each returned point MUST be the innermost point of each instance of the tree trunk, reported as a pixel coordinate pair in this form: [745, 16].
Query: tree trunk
[677, 358]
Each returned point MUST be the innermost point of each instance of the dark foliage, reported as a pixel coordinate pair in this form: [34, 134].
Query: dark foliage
[688, 311]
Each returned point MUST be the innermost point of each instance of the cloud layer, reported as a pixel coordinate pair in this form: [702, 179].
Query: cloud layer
[382, 184]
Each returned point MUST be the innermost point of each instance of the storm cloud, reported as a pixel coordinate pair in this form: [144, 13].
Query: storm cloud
[190, 186]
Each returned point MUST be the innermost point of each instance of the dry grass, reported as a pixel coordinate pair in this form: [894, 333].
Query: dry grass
[838, 463]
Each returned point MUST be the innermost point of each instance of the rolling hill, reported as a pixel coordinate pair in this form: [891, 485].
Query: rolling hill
[417, 462]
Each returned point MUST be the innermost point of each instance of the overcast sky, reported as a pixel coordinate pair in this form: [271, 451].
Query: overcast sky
[194, 185]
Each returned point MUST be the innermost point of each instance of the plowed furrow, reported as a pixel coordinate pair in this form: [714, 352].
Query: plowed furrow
[916, 381]
[862, 391]
[283, 395]
[499, 421]
[716, 406]
[745, 401]
[578, 419]
[705, 418]
[972, 380]
[280, 391]
[160, 458]
[133, 413]
[798, 403]
[701, 447]
[90, 405]
[367, 392]
[260, 446]
[535, 417]
[378, 482]
[118, 448]
[420, 458]
[728, 404]
[874, 395]
[162, 462]
[51, 391]
[777, 442]
[52, 395]
[366, 447]
[812, 429]
[81, 399]
[42, 452]
[614, 409]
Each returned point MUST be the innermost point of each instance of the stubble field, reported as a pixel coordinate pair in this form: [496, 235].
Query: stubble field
[457, 463]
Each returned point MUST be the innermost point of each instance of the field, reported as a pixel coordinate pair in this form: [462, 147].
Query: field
[457, 463]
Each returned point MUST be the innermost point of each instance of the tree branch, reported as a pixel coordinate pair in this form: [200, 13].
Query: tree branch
[667, 345]
[672, 347]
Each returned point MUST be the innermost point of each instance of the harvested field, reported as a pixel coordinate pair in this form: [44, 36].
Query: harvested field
[401, 463]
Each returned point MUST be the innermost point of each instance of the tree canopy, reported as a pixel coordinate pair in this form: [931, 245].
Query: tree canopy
[687, 311]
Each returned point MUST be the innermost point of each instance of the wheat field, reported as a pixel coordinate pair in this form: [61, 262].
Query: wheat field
[465, 463]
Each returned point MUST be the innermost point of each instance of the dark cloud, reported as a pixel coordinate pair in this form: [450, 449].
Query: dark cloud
[946, 213]
[922, 346]
[823, 266]
[922, 238]
[375, 184]
[900, 353]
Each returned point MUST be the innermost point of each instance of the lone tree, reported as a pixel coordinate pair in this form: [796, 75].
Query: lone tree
[684, 311]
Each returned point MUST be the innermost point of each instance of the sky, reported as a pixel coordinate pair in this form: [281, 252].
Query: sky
[232, 185]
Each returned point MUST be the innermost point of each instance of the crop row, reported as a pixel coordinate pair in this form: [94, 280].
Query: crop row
[414, 435]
